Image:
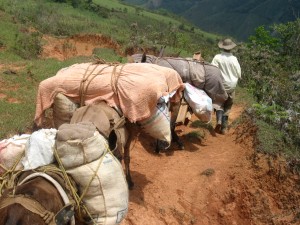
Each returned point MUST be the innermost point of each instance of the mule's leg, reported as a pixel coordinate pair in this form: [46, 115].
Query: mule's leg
[174, 109]
[131, 136]
[175, 137]
[160, 145]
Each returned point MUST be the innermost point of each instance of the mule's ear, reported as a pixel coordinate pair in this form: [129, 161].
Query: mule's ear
[130, 59]
[144, 57]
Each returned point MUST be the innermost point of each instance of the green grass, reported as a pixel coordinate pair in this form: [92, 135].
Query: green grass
[108, 54]
[18, 117]
[15, 118]
[273, 141]
[195, 135]
[243, 97]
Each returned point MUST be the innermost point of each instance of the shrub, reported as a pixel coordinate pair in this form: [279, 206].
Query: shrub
[270, 65]
[28, 45]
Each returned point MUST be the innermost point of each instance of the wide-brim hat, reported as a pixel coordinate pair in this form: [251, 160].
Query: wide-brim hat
[227, 44]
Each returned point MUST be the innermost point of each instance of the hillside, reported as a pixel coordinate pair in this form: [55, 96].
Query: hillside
[236, 18]
[230, 179]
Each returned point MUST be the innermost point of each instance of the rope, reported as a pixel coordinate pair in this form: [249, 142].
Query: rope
[115, 77]
[78, 199]
[9, 176]
[83, 88]
[83, 80]
[31, 205]
[67, 179]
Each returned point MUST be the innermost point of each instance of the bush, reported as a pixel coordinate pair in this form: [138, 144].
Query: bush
[28, 45]
[270, 66]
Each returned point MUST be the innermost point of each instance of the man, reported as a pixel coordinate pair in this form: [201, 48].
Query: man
[231, 72]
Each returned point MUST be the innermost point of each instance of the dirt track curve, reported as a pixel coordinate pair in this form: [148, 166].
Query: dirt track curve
[216, 180]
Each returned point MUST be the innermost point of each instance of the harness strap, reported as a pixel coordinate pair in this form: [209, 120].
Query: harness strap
[55, 183]
[31, 205]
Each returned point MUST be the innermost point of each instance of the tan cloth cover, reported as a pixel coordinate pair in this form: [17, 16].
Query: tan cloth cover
[135, 89]
[94, 114]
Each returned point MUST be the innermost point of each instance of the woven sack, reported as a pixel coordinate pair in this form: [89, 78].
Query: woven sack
[63, 109]
[199, 101]
[104, 189]
[158, 124]
[78, 144]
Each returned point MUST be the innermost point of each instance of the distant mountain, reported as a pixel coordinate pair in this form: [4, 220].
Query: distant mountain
[236, 18]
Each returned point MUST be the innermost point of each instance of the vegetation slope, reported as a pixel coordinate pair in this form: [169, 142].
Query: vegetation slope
[236, 18]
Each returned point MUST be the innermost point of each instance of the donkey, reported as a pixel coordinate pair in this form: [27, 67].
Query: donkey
[120, 132]
[198, 73]
[132, 88]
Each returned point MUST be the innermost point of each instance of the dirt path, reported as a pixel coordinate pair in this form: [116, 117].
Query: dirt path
[211, 182]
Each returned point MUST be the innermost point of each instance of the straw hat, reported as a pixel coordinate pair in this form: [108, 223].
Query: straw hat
[226, 44]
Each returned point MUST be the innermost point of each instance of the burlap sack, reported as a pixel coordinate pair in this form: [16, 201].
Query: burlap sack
[106, 119]
[104, 188]
[75, 148]
[63, 109]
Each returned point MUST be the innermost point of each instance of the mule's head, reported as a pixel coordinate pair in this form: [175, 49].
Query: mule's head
[37, 201]
[141, 58]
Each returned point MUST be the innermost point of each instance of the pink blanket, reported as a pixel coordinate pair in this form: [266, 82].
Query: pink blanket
[133, 87]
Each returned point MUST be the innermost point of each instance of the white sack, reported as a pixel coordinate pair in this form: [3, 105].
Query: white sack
[199, 101]
[107, 193]
[63, 109]
[39, 149]
[74, 153]
[158, 124]
[12, 150]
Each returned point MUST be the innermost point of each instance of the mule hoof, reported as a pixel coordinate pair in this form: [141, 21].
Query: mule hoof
[180, 145]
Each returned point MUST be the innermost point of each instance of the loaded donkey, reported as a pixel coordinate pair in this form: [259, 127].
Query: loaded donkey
[195, 71]
[120, 99]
